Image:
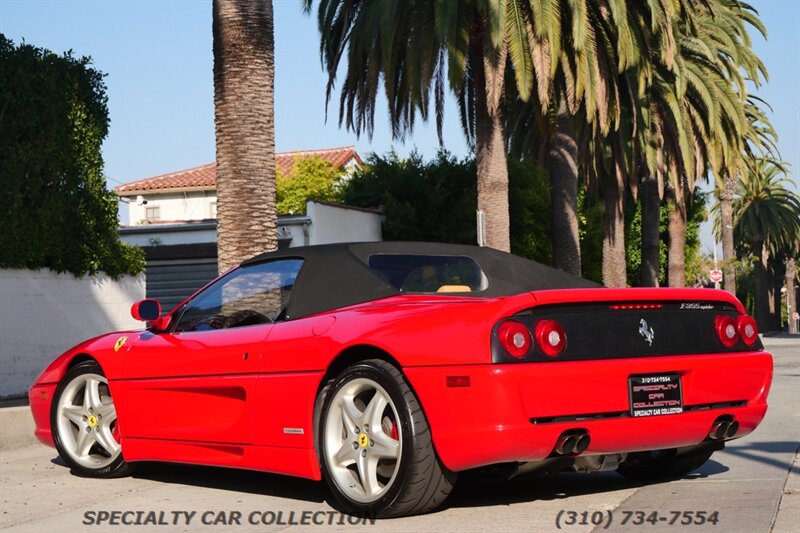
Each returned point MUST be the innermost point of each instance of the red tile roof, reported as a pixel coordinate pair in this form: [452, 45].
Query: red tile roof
[205, 177]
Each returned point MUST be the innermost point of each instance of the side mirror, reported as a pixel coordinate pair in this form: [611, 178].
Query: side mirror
[146, 310]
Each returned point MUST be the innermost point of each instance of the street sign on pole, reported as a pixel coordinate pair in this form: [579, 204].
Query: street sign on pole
[715, 275]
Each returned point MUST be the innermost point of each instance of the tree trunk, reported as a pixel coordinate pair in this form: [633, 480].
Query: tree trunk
[563, 167]
[676, 251]
[651, 207]
[791, 294]
[726, 220]
[490, 149]
[762, 286]
[777, 272]
[614, 265]
[244, 71]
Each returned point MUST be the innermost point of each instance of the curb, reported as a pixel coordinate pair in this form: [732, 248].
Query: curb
[788, 512]
[16, 428]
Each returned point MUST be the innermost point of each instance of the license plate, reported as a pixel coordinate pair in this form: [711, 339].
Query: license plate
[655, 395]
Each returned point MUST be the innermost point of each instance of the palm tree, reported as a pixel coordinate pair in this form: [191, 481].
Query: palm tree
[618, 39]
[697, 116]
[760, 140]
[245, 129]
[767, 218]
[488, 53]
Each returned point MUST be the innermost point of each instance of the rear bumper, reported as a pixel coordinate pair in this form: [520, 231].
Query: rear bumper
[41, 397]
[516, 412]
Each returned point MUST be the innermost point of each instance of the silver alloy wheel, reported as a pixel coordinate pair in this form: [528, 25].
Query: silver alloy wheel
[362, 440]
[86, 420]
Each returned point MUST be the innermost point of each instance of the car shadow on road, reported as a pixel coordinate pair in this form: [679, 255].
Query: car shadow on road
[234, 480]
[548, 487]
[754, 451]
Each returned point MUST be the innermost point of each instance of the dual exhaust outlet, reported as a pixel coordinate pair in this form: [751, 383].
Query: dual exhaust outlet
[723, 428]
[572, 443]
[575, 442]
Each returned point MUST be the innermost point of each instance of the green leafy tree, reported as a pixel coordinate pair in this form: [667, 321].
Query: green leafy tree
[311, 178]
[56, 210]
[590, 209]
[436, 200]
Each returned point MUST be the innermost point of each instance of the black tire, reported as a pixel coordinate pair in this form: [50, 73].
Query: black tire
[664, 465]
[108, 465]
[420, 482]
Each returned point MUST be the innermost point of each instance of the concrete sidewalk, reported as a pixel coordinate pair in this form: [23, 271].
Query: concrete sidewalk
[16, 427]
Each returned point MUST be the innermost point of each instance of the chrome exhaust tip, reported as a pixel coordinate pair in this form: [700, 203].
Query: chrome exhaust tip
[719, 429]
[582, 443]
[566, 444]
[732, 429]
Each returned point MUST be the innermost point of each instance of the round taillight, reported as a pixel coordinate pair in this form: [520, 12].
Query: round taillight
[515, 338]
[550, 337]
[748, 331]
[726, 330]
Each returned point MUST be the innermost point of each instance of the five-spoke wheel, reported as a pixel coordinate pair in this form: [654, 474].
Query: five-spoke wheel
[84, 423]
[362, 440]
[375, 445]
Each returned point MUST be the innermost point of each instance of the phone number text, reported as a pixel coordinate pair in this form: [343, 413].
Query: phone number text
[566, 518]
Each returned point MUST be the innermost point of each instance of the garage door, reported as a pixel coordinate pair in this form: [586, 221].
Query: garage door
[170, 282]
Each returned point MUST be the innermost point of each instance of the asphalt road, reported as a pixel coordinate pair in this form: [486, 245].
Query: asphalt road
[751, 485]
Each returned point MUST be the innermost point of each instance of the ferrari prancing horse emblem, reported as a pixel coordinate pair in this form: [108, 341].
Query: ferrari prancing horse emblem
[363, 440]
[120, 342]
[646, 331]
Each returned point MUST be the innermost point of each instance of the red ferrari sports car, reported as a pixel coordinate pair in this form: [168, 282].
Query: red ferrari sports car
[389, 368]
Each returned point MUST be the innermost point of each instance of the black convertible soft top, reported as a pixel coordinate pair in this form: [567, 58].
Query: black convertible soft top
[339, 275]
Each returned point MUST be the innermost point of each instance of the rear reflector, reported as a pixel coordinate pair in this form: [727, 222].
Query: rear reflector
[457, 381]
[515, 338]
[551, 337]
[748, 331]
[726, 330]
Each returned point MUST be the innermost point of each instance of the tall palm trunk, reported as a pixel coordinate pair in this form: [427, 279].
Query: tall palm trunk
[777, 272]
[791, 293]
[614, 264]
[651, 207]
[676, 251]
[490, 148]
[563, 166]
[244, 70]
[763, 302]
[726, 218]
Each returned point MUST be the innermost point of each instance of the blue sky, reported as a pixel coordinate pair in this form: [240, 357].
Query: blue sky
[158, 61]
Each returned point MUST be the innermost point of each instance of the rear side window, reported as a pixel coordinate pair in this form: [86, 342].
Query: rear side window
[417, 273]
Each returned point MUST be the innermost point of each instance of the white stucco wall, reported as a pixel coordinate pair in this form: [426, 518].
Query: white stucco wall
[192, 205]
[330, 224]
[43, 313]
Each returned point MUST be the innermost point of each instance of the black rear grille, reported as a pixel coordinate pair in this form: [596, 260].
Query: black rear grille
[600, 331]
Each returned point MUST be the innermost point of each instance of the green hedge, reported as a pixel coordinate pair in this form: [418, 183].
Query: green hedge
[55, 210]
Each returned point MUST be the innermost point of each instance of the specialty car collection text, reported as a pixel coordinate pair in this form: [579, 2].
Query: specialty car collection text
[223, 518]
